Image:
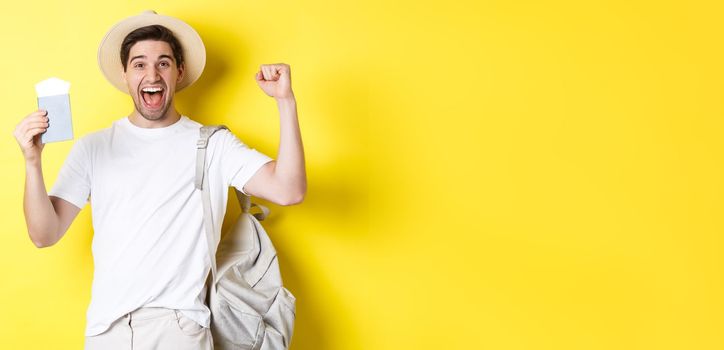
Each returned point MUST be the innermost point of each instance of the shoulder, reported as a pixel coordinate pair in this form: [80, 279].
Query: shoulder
[93, 138]
[223, 136]
[194, 127]
[188, 123]
[98, 137]
[226, 134]
[225, 143]
[229, 140]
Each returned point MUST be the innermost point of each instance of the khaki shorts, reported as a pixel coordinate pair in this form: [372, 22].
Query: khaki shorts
[152, 328]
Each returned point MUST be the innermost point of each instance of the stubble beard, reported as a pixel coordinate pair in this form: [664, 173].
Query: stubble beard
[151, 117]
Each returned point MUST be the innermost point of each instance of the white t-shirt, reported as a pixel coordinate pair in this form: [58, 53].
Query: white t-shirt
[149, 247]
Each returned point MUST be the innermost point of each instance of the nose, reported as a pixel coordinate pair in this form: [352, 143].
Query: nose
[152, 74]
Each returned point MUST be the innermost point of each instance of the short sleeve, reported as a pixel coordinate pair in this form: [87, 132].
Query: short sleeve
[73, 182]
[239, 162]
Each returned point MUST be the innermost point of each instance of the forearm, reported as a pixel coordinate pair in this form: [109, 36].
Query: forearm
[290, 172]
[40, 216]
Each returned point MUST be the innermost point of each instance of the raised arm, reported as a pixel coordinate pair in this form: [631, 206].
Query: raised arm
[284, 180]
[47, 218]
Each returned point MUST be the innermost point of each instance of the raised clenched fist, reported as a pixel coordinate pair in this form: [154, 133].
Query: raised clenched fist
[275, 80]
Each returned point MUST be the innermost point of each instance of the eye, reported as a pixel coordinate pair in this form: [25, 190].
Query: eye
[138, 65]
[164, 64]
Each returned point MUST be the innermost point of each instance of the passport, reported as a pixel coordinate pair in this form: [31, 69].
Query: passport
[53, 97]
[60, 126]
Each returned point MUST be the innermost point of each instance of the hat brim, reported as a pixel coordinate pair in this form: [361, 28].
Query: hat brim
[109, 51]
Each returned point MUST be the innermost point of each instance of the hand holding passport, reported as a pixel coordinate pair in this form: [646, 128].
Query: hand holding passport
[53, 97]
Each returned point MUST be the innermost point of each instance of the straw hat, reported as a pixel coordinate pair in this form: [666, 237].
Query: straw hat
[109, 52]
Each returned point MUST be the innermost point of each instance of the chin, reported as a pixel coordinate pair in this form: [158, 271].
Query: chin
[153, 115]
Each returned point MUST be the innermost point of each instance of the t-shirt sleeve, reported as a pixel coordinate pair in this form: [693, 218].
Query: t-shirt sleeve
[239, 162]
[73, 182]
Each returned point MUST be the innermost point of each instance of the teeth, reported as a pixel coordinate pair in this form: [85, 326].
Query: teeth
[151, 89]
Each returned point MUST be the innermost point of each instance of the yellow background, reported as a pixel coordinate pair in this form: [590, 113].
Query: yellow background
[482, 174]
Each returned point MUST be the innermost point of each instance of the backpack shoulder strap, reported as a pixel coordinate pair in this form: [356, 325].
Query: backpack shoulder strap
[205, 133]
[202, 184]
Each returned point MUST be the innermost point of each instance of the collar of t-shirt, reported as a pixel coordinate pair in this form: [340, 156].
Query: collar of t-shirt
[154, 132]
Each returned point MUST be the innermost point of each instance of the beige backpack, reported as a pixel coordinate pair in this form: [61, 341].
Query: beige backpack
[250, 308]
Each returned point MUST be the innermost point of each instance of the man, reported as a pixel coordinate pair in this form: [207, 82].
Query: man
[149, 247]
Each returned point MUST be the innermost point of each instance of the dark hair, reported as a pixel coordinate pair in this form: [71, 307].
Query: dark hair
[152, 32]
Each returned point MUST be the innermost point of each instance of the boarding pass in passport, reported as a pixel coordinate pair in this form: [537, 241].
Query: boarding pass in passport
[53, 97]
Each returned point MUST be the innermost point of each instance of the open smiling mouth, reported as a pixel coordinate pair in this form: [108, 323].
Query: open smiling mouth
[153, 97]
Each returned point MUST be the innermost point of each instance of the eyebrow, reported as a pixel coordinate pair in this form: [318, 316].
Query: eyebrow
[144, 56]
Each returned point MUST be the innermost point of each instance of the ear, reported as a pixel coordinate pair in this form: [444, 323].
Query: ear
[181, 73]
[123, 75]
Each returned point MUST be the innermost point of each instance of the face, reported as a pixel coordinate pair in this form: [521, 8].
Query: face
[151, 76]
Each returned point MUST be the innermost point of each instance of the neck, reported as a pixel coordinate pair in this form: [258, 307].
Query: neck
[171, 117]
